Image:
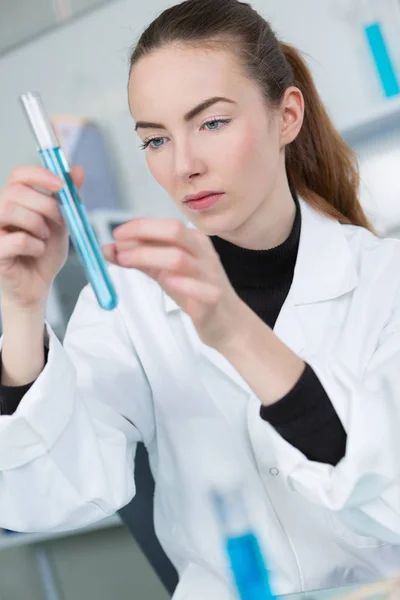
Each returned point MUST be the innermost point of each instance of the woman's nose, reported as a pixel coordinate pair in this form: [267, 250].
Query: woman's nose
[187, 163]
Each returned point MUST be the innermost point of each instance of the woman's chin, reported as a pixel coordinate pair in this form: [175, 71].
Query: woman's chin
[213, 225]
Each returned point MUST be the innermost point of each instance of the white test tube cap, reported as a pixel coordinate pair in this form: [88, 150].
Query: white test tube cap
[38, 120]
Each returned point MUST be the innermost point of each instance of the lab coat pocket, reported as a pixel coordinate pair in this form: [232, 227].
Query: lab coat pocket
[351, 537]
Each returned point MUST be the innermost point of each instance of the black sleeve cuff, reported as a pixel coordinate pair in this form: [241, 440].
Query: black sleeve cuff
[306, 418]
[11, 396]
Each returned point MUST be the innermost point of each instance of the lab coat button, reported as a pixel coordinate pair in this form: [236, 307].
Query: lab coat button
[274, 471]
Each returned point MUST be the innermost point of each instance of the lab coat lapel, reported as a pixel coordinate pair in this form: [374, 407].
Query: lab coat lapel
[324, 270]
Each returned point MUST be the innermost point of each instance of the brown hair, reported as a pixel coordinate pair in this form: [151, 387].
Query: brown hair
[320, 165]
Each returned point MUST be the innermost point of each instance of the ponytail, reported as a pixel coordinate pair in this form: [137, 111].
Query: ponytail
[320, 165]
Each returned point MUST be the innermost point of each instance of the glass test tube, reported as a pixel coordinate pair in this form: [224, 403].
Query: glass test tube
[81, 232]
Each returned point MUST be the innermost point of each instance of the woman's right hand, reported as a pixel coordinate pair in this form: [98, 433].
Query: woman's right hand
[33, 235]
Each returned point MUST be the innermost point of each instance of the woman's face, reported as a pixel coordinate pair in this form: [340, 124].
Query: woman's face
[232, 146]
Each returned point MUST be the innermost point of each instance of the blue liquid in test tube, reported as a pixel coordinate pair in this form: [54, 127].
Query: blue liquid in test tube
[382, 59]
[247, 563]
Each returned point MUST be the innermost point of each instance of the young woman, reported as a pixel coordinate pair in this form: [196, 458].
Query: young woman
[259, 343]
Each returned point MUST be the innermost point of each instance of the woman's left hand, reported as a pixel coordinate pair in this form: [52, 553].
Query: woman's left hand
[185, 264]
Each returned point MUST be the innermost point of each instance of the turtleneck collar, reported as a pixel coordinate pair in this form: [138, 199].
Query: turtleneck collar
[261, 268]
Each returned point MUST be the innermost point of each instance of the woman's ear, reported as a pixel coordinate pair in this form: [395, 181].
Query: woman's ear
[291, 115]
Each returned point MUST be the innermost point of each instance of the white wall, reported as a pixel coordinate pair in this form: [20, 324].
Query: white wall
[380, 183]
[82, 68]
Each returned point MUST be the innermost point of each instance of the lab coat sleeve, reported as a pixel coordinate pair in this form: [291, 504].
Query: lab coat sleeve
[67, 453]
[363, 489]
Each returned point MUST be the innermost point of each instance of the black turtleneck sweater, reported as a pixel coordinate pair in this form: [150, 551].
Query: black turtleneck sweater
[305, 417]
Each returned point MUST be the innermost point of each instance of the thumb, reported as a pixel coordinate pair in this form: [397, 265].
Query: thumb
[78, 176]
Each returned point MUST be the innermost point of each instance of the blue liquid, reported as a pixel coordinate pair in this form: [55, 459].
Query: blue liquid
[382, 59]
[248, 566]
[81, 232]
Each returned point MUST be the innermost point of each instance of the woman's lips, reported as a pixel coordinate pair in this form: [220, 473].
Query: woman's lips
[205, 202]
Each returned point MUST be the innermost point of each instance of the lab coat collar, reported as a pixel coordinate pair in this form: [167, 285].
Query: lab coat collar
[324, 268]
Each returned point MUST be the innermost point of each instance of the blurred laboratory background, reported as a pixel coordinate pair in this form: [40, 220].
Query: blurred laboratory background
[75, 53]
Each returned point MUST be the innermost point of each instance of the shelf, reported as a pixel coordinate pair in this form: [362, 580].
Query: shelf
[385, 118]
[13, 540]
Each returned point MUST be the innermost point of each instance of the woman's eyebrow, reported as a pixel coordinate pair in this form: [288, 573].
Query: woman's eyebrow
[189, 116]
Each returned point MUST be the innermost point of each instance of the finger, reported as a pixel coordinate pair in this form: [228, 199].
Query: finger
[130, 244]
[164, 258]
[40, 203]
[109, 253]
[78, 176]
[15, 216]
[20, 244]
[32, 175]
[168, 231]
[189, 287]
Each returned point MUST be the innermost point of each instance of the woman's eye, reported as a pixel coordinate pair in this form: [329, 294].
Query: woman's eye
[153, 143]
[215, 124]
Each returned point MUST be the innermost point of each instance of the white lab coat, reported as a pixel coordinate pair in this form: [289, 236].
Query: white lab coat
[141, 372]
